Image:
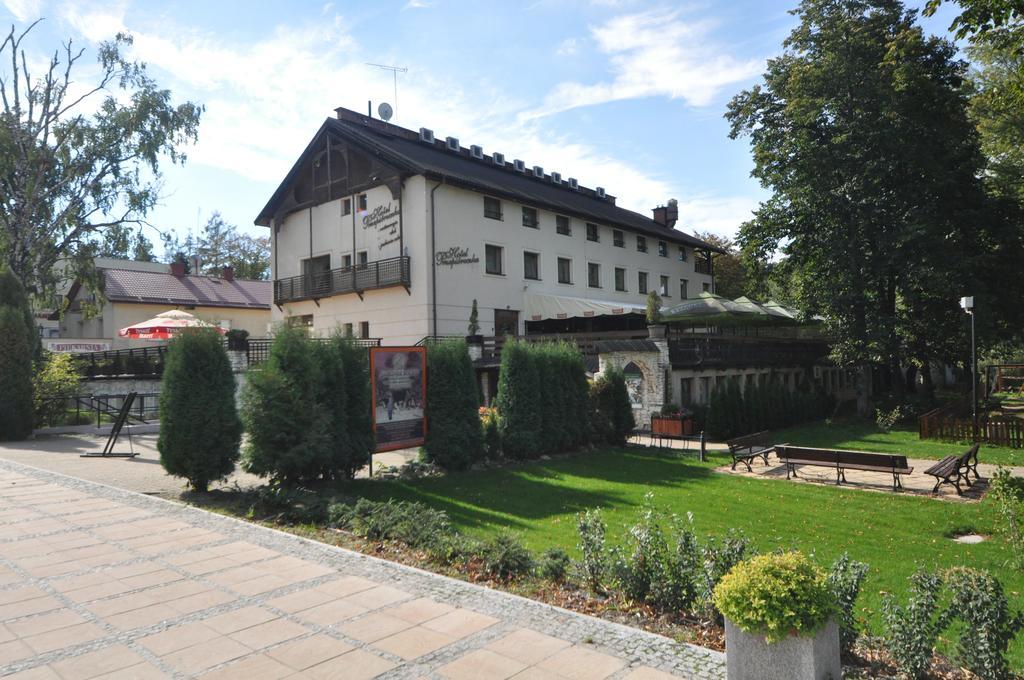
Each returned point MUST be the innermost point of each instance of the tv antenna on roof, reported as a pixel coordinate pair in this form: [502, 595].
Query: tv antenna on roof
[395, 70]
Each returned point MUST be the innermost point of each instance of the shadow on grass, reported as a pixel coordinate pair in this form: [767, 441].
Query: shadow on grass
[514, 497]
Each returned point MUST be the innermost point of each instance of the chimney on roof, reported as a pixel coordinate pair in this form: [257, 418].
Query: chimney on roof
[195, 265]
[228, 273]
[177, 269]
[667, 215]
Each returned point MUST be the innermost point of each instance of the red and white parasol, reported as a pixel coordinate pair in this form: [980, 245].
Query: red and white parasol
[164, 326]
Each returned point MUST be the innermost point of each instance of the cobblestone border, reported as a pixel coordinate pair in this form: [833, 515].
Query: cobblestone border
[636, 646]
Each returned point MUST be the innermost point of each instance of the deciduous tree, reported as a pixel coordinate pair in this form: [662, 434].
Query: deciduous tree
[79, 155]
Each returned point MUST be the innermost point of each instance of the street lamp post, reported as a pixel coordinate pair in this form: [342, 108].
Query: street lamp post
[967, 303]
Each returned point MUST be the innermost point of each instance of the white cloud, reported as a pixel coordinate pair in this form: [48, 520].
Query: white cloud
[265, 99]
[567, 47]
[418, 4]
[720, 215]
[653, 54]
[24, 10]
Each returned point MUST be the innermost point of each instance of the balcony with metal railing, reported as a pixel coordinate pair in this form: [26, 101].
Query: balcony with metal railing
[354, 279]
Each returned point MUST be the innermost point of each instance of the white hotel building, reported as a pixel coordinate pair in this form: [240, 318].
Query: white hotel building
[391, 233]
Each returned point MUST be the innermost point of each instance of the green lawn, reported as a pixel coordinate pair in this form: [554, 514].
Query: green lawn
[891, 532]
[864, 435]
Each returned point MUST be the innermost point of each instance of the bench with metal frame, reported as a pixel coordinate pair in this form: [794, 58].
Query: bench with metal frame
[749, 447]
[954, 469]
[842, 460]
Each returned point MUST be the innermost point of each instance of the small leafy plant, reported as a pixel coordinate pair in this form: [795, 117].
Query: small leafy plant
[594, 565]
[989, 625]
[653, 307]
[505, 557]
[844, 580]
[776, 595]
[913, 628]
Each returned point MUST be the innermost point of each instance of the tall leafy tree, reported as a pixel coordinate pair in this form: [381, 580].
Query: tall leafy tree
[861, 132]
[79, 154]
[222, 244]
[731, 279]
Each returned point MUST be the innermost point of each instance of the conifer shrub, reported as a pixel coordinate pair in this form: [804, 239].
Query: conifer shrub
[611, 412]
[733, 412]
[520, 421]
[505, 557]
[16, 412]
[455, 435]
[355, 361]
[200, 430]
[289, 437]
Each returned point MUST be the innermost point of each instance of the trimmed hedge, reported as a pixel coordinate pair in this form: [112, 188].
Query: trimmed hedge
[200, 430]
[612, 413]
[307, 411]
[454, 435]
[733, 412]
[16, 408]
[542, 399]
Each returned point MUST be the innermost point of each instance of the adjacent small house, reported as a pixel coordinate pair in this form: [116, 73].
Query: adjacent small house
[137, 291]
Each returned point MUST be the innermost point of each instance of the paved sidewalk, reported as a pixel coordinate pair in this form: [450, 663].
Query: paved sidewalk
[100, 582]
[61, 453]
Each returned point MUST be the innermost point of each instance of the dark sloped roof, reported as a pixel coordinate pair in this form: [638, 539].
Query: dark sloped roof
[123, 285]
[604, 346]
[403, 149]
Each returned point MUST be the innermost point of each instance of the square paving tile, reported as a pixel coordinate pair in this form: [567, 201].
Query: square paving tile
[298, 601]
[355, 665]
[331, 613]
[37, 673]
[206, 655]
[380, 596]
[142, 671]
[579, 663]
[44, 623]
[269, 633]
[64, 637]
[139, 618]
[100, 662]
[346, 585]
[256, 667]
[460, 623]
[239, 619]
[36, 605]
[177, 638]
[302, 654]
[12, 651]
[481, 663]
[528, 646]
[414, 642]
[373, 626]
[420, 610]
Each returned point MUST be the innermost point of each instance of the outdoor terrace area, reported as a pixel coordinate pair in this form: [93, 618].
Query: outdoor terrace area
[357, 278]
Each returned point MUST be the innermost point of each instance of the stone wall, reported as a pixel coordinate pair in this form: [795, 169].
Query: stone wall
[653, 365]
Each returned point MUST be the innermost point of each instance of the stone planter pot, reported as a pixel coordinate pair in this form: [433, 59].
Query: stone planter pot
[671, 427]
[748, 656]
[657, 331]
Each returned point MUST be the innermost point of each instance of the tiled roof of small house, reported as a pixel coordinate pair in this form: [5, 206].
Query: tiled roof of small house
[123, 285]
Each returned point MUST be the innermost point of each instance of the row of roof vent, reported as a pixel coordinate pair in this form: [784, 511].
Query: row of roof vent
[477, 152]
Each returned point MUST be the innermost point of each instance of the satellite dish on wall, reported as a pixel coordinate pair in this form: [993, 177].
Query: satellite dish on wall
[385, 111]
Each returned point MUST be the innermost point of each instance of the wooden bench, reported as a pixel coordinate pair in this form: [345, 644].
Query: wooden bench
[842, 461]
[749, 447]
[954, 469]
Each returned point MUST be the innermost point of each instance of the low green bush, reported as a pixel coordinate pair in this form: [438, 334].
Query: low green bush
[505, 557]
[291, 505]
[912, 629]
[414, 524]
[55, 383]
[845, 578]
[988, 626]
[776, 595]
[593, 567]
[1007, 495]
[554, 565]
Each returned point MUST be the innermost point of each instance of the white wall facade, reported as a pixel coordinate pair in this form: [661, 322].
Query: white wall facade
[404, 317]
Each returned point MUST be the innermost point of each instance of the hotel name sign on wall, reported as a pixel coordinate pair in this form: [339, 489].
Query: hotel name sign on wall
[455, 256]
[384, 219]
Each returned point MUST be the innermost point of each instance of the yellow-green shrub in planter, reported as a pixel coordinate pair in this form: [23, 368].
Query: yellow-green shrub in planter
[779, 620]
[776, 595]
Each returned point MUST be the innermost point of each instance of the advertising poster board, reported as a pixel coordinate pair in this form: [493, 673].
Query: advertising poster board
[398, 377]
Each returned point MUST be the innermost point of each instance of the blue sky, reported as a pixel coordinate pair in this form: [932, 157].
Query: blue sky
[625, 94]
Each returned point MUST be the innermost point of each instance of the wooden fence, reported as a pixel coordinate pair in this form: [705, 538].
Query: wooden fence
[944, 424]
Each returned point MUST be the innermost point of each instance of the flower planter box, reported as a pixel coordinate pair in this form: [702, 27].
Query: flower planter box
[671, 427]
[748, 656]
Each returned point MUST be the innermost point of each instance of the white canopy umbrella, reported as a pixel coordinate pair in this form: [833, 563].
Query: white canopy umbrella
[164, 326]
